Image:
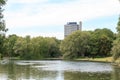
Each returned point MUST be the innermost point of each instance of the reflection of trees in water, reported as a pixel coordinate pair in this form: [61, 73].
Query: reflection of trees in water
[19, 72]
[40, 74]
[86, 76]
[116, 73]
[11, 70]
[8, 69]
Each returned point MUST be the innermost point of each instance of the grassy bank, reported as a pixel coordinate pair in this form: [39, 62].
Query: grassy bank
[105, 59]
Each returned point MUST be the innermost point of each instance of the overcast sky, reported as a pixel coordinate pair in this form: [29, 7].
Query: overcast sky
[48, 17]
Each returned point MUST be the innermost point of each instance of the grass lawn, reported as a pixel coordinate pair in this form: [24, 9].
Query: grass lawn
[105, 59]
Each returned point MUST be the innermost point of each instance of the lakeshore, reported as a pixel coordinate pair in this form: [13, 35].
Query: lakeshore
[105, 59]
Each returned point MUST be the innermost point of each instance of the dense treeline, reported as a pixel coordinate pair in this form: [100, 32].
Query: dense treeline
[96, 43]
[31, 48]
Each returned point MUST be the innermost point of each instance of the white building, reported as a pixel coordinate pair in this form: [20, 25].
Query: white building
[71, 27]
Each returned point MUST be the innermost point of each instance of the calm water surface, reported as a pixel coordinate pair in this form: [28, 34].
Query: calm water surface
[57, 70]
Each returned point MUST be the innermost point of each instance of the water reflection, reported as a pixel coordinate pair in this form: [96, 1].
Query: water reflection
[58, 70]
[86, 76]
[12, 71]
[116, 73]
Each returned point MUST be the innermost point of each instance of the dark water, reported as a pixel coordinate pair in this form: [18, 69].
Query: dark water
[57, 70]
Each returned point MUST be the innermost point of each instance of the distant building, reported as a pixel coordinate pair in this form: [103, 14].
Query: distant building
[71, 27]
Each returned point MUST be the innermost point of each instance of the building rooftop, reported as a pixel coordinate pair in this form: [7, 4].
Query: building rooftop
[71, 23]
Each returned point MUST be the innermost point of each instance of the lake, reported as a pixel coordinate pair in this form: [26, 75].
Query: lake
[57, 70]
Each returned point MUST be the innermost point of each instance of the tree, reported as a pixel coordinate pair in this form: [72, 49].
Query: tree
[2, 22]
[2, 27]
[53, 47]
[45, 48]
[75, 45]
[23, 48]
[118, 28]
[116, 44]
[28, 49]
[9, 45]
[101, 42]
[116, 49]
[39, 47]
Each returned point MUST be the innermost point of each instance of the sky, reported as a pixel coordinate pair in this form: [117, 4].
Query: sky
[48, 17]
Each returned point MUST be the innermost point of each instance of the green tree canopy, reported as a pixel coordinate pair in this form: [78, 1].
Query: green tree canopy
[2, 27]
[116, 45]
[2, 22]
[116, 49]
[101, 42]
[118, 26]
[9, 44]
[75, 45]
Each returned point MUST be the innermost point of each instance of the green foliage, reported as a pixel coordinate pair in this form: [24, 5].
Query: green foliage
[31, 48]
[116, 49]
[101, 42]
[45, 47]
[9, 44]
[2, 22]
[75, 45]
[2, 27]
[1, 43]
[118, 27]
[78, 44]
[116, 45]
[96, 43]
[105, 45]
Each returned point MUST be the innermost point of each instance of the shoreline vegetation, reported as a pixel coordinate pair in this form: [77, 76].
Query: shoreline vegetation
[105, 59]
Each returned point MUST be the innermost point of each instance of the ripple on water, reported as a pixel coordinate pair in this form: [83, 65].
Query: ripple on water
[73, 66]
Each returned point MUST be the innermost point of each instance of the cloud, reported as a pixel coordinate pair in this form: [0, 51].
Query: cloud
[44, 13]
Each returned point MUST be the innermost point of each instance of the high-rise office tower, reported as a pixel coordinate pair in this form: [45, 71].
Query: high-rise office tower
[71, 27]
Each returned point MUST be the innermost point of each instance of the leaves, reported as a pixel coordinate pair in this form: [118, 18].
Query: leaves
[116, 45]
[75, 44]
[32, 48]
[116, 49]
